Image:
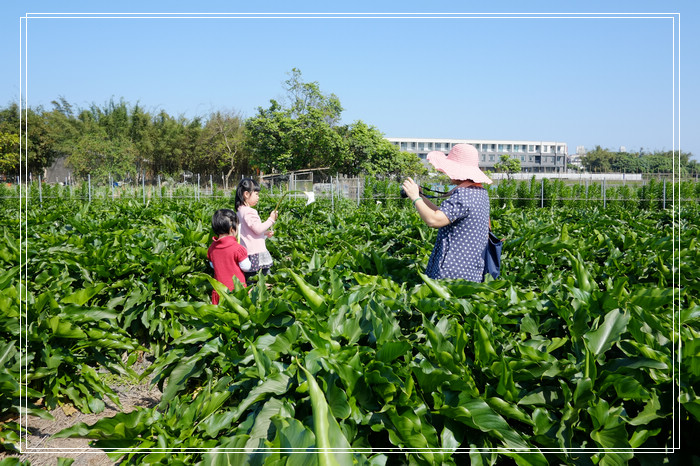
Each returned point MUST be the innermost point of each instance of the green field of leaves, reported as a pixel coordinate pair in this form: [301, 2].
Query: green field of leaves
[347, 353]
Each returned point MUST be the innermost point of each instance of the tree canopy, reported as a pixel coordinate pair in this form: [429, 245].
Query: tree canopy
[301, 130]
[306, 133]
[508, 165]
[604, 160]
[125, 141]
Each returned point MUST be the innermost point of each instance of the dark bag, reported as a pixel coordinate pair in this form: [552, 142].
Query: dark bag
[492, 256]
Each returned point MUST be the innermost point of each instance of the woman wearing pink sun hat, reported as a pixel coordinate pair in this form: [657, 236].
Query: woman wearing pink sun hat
[462, 218]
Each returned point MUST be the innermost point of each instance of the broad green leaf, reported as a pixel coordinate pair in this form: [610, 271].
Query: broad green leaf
[263, 421]
[476, 413]
[440, 290]
[313, 298]
[64, 329]
[542, 421]
[120, 426]
[483, 347]
[449, 439]
[641, 435]
[528, 459]
[509, 410]
[297, 441]
[81, 297]
[689, 315]
[544, 396]
[613, 437]
[332, 446]
[7, 351]
[506, 387]
[615, 365]
[80, 313]
[629, 388]
[179, 376]
[226, 298]
[338, 402]
[7, 276]
[410, 431]
[651, 411]
[226, 455]
[392, 350]
[652, 298]
[608, 332]
[529, 325]
[218, 422]
[583, 392]
[40, 413]
[276, 384]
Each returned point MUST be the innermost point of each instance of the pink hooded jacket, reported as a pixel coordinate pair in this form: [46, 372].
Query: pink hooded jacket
[252, 230]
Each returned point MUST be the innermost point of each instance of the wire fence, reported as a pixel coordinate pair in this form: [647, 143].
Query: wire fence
[651, 193]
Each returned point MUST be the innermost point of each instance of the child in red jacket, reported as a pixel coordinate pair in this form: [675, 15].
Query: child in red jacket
[228, 258]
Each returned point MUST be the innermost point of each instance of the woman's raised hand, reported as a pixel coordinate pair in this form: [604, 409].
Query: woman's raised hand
[411, 188]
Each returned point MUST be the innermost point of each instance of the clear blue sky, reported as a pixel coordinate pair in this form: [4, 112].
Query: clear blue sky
[582, 81]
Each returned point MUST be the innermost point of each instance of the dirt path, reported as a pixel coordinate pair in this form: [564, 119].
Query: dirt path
[42, 450]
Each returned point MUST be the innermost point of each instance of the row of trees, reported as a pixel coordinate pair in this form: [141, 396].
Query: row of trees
[302, 131]
[604, 160]
[124, 140]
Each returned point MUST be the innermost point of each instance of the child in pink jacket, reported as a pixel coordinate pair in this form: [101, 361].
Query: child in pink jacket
[253, 231]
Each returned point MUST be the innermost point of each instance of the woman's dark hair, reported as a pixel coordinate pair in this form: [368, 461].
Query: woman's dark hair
[223, 220]
[246, 185]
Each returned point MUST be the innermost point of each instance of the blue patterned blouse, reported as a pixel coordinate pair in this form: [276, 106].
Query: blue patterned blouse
[460, 246]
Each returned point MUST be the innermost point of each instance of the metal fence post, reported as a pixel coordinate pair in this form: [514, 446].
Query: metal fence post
[664, 194]
[605, 200]
[89, 189]
[41, 200]
[196, 196]
[542, 193]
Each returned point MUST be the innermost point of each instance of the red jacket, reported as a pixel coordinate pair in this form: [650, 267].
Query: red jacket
[225, 254]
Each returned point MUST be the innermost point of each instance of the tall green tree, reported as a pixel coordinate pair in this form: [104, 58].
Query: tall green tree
[299, 135]
[97, 141]
[306, 97]
[102, 157]
[604, 160]
[35, 135]
[9, 153]
[372, 154]
[597, 160]
[223, 143]
[508, 165]
[306, 133]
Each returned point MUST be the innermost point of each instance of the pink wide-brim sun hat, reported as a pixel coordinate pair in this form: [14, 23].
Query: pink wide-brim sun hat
[462, 163]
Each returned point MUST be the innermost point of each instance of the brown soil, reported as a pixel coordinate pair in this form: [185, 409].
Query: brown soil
[40, 449]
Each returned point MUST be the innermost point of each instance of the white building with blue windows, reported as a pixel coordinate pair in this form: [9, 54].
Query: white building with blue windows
[534, 156]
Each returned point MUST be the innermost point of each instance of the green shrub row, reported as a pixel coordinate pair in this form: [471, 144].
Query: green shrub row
[654, 194]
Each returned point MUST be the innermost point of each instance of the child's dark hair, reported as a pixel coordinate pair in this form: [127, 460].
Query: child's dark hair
[246, 185]
[223, 220]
